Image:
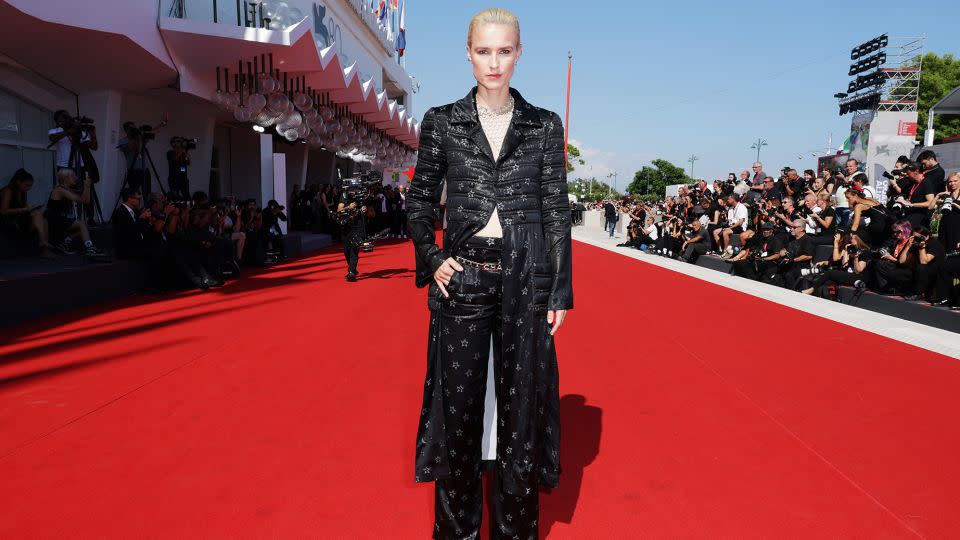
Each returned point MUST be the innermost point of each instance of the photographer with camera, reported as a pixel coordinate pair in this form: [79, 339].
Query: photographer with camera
[696, 244]
[829, 181]
[758, 259]
[948, 294]
[178, 159]
[821, 219]
[796, 256]
[893, 270]
[272, 233]
[930, 256]
[932, 171]
[899, 183]
[200, 251]
[229, 227]
[784, 219]
[870, 224]
[132, 144]
[920, 199]
[793, 184]
[737, 216]
[844, 268]
[61, 214]
[352, 211]
[840, 202]
[73, 140]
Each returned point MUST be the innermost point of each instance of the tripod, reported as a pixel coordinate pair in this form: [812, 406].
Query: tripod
[142, 181]
[82, 163]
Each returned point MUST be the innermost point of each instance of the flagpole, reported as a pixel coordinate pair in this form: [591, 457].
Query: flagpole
[566, 122]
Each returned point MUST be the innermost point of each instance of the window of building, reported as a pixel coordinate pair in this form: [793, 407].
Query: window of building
[23, 144]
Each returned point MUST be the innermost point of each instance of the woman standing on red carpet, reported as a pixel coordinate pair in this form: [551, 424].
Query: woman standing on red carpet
[504, 273]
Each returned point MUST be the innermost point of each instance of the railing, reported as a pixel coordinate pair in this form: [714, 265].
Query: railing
[239, 12]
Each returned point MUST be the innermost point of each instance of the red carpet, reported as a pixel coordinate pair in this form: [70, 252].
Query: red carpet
[286, 405]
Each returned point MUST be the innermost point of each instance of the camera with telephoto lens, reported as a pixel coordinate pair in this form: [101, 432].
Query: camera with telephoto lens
[82, 123]
[898, 209]
[919, 241]
[947, 204]
[188, 144]
[893, 175]
[144, 133]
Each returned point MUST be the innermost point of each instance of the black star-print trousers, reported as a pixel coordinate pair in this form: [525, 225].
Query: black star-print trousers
[467, 326]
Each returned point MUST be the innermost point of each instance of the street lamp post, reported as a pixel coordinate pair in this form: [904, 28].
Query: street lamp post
[614, 175]
[757, 146]
[691, 160]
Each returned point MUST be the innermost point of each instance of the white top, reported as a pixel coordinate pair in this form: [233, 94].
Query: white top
[737, 213]
[63, 147]
[495, 129]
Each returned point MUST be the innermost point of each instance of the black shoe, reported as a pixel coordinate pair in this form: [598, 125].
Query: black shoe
[203, 285]
[351, 276]
[213, 282]
[941, 303]
[913, 298]
[65, 248]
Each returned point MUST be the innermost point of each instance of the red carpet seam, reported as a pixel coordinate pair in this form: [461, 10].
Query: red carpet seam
[98, 408]
[798, 439]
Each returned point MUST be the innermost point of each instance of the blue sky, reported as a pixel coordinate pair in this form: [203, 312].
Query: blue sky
[679, 78]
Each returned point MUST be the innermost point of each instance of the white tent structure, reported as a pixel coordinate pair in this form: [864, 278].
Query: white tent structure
[950, 104]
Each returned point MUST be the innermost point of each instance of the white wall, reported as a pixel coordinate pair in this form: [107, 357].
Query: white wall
[134, 18]
[187, 118]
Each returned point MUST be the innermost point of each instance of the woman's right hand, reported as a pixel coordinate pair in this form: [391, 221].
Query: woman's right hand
[444, 273]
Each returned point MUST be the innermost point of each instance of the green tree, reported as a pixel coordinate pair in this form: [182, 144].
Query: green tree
[940, 75]
[654, 180]
[573, 155]
[599, 190]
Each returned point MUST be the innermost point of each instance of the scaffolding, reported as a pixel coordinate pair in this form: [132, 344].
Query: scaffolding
[893, 86]
[901, 90]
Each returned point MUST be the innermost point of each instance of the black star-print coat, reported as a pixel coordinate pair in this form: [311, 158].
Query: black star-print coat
[528, 186]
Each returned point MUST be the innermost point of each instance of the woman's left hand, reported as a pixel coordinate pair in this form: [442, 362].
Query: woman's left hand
[555, 317]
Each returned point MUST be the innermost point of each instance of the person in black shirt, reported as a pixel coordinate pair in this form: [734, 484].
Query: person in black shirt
[610, 217]
[932, 170]
[697, 244]
[758, 259]
[824, 220]
[128, 226]
[271, 231]
[352, 227]
[930, 255]
[178, 159]
[786, 216]
[796, 256]
[770, 189]
[920, 198]
[848, 269]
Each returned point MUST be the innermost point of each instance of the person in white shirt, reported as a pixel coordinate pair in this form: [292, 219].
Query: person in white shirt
[62, 138]
[737, 215]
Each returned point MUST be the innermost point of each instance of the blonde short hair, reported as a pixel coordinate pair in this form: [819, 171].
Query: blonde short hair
[493, 16]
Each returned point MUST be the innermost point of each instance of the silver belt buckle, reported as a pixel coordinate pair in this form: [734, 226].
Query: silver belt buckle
[490, 267]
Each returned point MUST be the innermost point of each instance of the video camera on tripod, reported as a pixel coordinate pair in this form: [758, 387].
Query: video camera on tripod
[80, 123]
[144, 132]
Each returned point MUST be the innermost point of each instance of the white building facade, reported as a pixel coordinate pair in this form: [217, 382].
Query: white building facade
[138, 60]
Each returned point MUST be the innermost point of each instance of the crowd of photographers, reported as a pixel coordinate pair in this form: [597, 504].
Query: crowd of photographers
[183, 239]
[813, 232]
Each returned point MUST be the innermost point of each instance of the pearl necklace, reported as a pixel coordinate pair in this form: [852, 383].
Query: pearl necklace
[489, 112]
